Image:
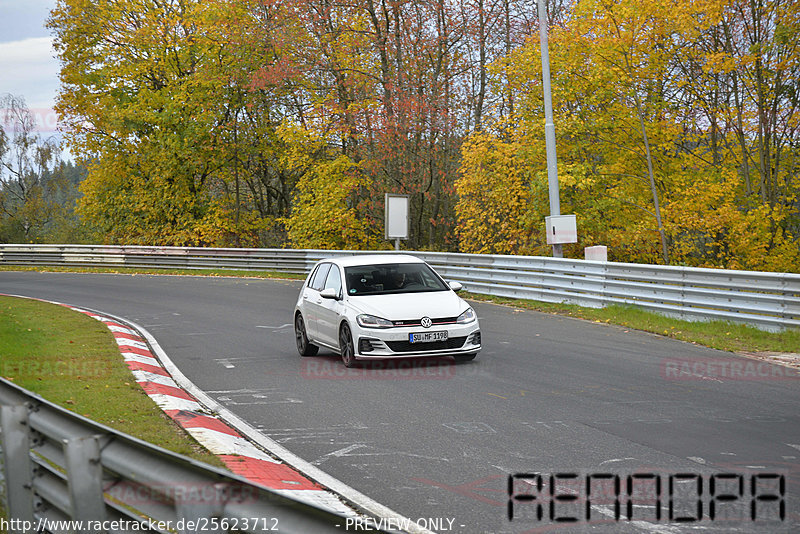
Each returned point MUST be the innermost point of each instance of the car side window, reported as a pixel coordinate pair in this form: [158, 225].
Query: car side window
[334, 280]
[318, 280]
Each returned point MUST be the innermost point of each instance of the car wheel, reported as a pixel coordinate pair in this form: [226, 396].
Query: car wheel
[346, 346]
[464, 357]
[303, 346]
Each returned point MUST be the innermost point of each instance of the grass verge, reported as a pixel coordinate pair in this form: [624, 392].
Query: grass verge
[175, 272]
[720, 335]
[73, 360]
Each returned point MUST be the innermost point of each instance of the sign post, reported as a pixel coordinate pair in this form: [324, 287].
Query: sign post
[550, 143]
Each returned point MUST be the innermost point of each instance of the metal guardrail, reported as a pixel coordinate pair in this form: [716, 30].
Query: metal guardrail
[770, 301]
[65, 473]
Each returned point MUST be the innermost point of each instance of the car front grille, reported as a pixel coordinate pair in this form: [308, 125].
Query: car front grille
[407, 346]
[434, 322]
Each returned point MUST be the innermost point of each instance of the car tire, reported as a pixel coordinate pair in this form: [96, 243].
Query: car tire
[461, 358]
[346, 347]
[301, 337]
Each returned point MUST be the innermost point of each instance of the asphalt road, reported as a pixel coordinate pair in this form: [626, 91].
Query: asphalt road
[548, 397]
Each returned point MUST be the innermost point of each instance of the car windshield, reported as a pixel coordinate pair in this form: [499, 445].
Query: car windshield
[391, 278]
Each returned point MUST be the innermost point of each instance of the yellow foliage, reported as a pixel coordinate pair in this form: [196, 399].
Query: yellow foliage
[712, 225]
[492, 198]
[613, 67]
[324, 213]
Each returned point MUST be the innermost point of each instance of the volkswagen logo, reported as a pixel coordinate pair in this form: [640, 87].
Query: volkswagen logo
[426, 322]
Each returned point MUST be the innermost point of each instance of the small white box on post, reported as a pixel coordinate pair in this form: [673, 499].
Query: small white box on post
[561, 229]
[397, 226]
[596, 253]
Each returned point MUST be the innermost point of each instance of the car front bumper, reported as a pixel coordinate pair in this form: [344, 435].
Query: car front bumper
[379, 344]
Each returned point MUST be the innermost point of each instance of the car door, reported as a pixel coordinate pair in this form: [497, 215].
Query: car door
[312, 300]
[330, 310]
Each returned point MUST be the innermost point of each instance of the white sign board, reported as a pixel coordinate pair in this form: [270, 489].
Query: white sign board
[561, 229]
[396, 216]
[596, 253]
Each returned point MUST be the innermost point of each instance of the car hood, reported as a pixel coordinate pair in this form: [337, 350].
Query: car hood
[410, 305]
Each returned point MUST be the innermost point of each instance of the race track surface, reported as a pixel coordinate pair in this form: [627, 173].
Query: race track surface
[547, 398]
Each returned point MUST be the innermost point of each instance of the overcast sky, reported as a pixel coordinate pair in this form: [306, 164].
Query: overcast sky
[28, 67]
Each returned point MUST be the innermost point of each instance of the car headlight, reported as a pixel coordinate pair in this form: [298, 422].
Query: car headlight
[370, 321]
[466, 317]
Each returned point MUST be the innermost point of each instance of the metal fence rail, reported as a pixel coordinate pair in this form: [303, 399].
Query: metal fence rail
[58, 466]
[770, 301]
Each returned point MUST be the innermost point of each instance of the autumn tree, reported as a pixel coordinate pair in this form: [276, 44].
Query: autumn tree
[669, 139]
[141, 87]
[740, 96]
[275, 122]
[389, 85]
[494, 198]
[37, 189]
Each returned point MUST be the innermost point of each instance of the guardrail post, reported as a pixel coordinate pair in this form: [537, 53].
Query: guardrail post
[17, 463]
[85, 478]
[604, 275]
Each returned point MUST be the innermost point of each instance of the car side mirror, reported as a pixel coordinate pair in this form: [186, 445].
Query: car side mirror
[455, 286]
[329, 293]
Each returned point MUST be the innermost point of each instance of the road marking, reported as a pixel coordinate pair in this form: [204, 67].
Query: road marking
[498, 396]
[697, 459]
[470, 427]
[283, 435]
[713, 379]
[225, 363]
[338, 454]
[794, 446]
[640, 524]
[650, 527]
[274, 327]
[346, 452]
[245, 397]
[544, 424]
[616, 460]
[196, 333]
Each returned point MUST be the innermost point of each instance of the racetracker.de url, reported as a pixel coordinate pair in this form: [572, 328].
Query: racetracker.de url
[267, 524]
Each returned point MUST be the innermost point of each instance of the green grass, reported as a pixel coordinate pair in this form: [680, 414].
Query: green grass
[73, 360]
[715, 334]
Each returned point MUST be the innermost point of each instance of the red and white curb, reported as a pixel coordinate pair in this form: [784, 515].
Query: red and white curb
[240, 455]
[242, 448]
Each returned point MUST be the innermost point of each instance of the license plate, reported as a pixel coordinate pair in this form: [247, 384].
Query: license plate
[428, 337]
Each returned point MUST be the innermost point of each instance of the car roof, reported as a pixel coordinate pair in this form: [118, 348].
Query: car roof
[373, 259]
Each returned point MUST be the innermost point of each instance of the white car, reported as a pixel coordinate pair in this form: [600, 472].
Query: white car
[375, 307]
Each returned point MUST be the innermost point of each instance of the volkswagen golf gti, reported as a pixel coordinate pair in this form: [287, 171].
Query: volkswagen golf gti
[374, 307]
